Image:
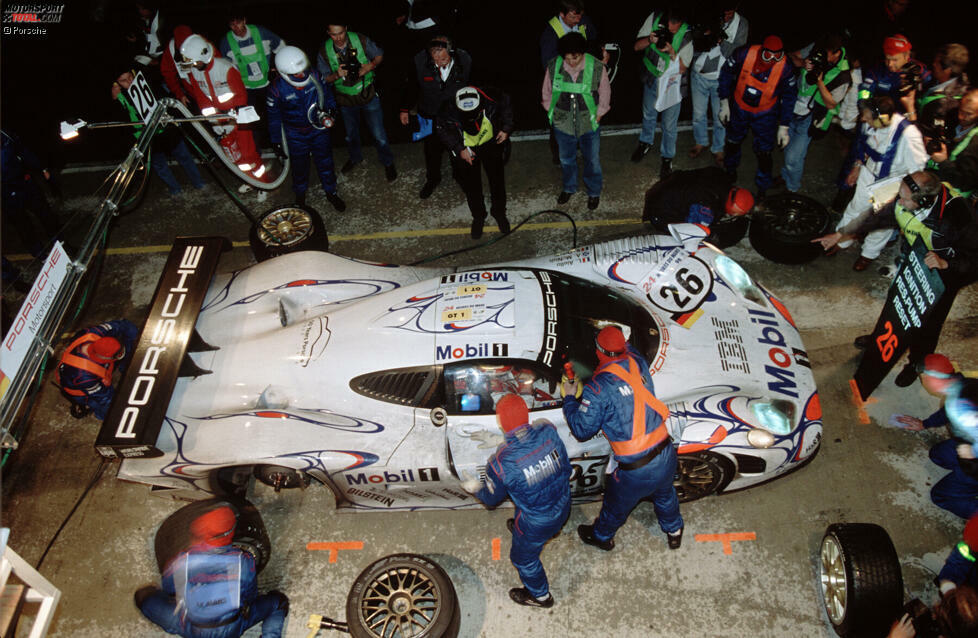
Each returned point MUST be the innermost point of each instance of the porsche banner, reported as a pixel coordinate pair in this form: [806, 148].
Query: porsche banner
[136, 416]
[914, 291]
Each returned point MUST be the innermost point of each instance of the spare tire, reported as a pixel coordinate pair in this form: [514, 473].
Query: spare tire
[403, 595]
[783, 226]
[861, 583]
[173, 536]
[287, 229]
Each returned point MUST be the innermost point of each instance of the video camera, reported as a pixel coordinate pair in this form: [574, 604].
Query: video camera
[351, 63]
[909, 78]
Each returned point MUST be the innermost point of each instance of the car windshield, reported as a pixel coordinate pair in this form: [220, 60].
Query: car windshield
[584, 308]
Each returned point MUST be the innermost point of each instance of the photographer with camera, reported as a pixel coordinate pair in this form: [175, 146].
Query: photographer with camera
[821, 88]
[704, 78]
[900, 77]
[348, 61]
[949, 77]
[950, 130]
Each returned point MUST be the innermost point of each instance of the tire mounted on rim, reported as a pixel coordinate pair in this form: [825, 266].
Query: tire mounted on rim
[287, 229]
[782, 229]
[700, 474]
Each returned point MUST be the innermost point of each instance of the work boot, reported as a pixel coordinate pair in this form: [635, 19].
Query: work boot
[861, 263]
[907, 376]
[336, 201]
[477, 223]
[564, 197]
[390, 172]
[428, 188]
[666, 169]
[502, 223]
[80, 411]
[592, 202]
[675, 539]
[696, 151]
[586, 532]
[521, 596]
[863, 341]
[641, 151]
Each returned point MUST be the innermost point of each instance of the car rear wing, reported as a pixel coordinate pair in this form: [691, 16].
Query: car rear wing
[136, 415]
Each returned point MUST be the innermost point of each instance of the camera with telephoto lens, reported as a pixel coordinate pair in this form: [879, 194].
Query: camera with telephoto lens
[922, 618]
[662, 36]
[352, 66]
[909, 78]
[706, 35]
[820, 64]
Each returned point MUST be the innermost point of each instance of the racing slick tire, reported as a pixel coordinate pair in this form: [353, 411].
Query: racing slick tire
[728, 231]
[403, 595]
[861, 583]
[250, 535]
[783, 228]
[700, 474]
[287, 229]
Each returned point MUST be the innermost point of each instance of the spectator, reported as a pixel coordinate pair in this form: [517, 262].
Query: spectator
[303, 105]
[576, 95]
[951, 136]
[757, 92]
[149, 35]
[476, 130]
[348, 61]
[570, 18]
[704, 78]
[86, 367]
[166, 142]
[735, 27]
[948, 74]
[440, 70]
[251, 48]
[900, 76]
[663, 38]
[19, 170]
[820, 92]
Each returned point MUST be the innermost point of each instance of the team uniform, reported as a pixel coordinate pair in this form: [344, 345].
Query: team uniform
[87, 382]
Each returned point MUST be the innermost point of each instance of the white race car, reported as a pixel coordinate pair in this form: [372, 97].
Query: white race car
[379, 380]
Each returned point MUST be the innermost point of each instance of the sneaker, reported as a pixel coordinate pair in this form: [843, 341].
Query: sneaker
[586, 532]
[675, 539]
[666, 169]
[349, 166]
[641, 151]
[862, 341]
[428, 188]
[336, 201]
[696, 151]
[522, 597]
[907, 376]
[476, 231]
[592, 202]
[390, 172]
[564, 197]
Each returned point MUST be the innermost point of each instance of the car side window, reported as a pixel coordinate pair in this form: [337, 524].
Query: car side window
[474, 387]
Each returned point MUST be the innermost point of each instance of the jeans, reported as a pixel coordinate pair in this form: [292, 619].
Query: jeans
[625, 488]
[269, 609]
[957, 492]
[528, 542]
[374, 116]
[590, 145]
[670, 121]
[704, 94]
[158, 162]
[795, 151]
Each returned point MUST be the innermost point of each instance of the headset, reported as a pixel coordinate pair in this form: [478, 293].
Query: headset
[922, 200]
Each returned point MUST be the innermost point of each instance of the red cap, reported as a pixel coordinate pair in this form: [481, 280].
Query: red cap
[773, 43]
[611, 341]
[106, 349]
[215, 528]
[512, 412]
[896, 44]
[739, 201]
[938, 366]
[971, 533]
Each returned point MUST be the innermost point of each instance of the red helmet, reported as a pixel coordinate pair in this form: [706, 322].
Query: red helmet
[739, 201]
[215, 528]
[512, 412]
[106, 349]
[611, 341]
[938, 366]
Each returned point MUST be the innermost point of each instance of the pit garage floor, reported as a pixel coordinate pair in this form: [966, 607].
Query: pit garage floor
[748, 564]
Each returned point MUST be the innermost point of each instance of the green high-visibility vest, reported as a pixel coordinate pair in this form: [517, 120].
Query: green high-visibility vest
[244, 61]
[963, 144]
[561, 32]
[583, 87]
[480, 138]
[805, 89]
[651, 50]
[365, 81]
[912, 227]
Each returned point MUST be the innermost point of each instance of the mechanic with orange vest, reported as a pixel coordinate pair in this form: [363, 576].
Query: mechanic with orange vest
[531, 467]
[757, 92]
[619, 400]
[85, 371]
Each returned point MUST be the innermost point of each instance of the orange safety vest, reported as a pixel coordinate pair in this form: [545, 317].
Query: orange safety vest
[746, 79]
[641, 440]
[73, 360]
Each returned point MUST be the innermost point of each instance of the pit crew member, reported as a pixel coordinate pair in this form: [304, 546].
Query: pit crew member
[700, 196]
[85, 371]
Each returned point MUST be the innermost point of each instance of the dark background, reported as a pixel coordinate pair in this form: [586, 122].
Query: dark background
[68, 72]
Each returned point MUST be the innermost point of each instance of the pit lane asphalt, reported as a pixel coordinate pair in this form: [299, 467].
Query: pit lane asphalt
[766, 586]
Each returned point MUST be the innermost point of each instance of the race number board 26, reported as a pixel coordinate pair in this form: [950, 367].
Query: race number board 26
[141, 97]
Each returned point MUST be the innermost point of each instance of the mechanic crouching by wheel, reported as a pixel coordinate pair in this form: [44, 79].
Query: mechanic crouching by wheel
[619, 400]
[211, 591]
[531, 467]
[85, 371]
[702, 196]
[299, 100]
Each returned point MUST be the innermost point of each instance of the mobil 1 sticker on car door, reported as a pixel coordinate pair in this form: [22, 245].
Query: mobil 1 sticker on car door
[678, 284]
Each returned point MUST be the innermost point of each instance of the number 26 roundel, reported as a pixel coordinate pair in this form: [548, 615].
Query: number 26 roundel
[683, 288]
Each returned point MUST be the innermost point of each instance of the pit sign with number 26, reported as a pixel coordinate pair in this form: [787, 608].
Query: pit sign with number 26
[141, 97]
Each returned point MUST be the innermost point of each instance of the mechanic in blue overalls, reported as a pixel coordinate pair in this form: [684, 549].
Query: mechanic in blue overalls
[300, 100]
[85, 371]
[210, 590]
[619, 399]
[532, 468]
[961, 566]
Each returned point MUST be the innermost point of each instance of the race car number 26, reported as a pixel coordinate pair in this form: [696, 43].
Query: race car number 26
[682, 289]
[587, 476]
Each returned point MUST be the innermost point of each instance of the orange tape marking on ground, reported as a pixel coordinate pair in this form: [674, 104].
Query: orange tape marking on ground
[726, 539]
[857, 399]
[334, 548]
[496, 543]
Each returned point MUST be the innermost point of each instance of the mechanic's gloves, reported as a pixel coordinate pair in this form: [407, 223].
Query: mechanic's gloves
[279, 152]
[488, 439]
[783, 136]
[573, 388]
[724, 112]
[469, 483]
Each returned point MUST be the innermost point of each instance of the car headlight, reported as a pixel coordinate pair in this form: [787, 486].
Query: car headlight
[738, 279]
[777, 417]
